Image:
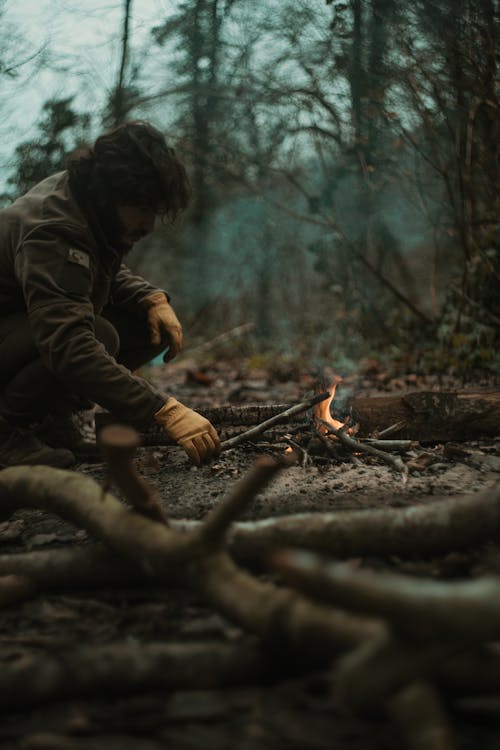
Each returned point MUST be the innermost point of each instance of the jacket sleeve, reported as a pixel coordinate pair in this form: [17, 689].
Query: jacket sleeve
[128, 290]
[56, 279]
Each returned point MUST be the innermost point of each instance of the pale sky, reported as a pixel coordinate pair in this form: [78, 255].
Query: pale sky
[82, 42]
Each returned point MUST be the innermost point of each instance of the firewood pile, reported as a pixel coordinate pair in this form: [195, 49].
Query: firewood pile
[395, 644]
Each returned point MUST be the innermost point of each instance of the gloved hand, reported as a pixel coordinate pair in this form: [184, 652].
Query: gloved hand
[162, 319]
[193, 432]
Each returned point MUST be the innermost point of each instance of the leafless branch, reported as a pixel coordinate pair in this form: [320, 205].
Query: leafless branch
[279, 418]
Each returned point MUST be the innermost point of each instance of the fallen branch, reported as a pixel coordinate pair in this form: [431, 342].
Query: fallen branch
[281, 417]
[279, 615]
[468, 611]
[390, 445]
[419, 530]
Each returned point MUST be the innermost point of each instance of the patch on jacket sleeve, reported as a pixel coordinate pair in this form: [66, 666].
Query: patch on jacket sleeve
[73, 274]
[79, 257]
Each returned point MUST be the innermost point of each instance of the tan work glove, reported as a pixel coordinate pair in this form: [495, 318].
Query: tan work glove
[162, 319]
[193, 432]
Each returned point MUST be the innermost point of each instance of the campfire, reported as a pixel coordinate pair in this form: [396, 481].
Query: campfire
[396, 430]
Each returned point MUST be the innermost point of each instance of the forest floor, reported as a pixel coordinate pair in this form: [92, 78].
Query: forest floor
[294, 712]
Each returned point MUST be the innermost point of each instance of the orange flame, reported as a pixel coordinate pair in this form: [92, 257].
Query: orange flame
[322, 410]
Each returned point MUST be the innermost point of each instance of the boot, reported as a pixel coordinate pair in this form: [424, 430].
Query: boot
[21, 447]
[73, 431]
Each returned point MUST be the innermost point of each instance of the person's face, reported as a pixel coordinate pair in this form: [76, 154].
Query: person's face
[136, 222]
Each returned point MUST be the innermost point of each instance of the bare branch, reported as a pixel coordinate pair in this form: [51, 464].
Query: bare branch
[281, 417]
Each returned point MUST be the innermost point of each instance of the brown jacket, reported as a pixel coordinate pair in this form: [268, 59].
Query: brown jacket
[62, 271]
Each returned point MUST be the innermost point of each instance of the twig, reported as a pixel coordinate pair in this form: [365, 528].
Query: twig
[396, 427]
[392, 445]
[220, 339]
[393, 461]
[304, 455]
[281, 417]
[118, 445]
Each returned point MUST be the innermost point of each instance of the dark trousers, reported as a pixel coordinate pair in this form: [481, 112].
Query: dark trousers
[29, 391]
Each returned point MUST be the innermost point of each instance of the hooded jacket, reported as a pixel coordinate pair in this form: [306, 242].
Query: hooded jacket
[57, 266]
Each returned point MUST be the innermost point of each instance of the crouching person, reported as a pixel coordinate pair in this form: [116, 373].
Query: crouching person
[75, 321]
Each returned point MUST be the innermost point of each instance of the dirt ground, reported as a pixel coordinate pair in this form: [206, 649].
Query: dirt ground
[293, 712]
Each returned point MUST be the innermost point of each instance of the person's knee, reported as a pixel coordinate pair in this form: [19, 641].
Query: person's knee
[136, 348]
[106, 333]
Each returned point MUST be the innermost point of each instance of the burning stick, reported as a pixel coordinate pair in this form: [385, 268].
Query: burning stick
[281, 417]
[394, 461]
[333, 427]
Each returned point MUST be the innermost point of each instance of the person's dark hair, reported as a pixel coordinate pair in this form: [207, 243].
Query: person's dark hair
[132, 165]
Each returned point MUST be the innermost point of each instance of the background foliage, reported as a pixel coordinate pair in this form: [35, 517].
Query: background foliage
[345, 169]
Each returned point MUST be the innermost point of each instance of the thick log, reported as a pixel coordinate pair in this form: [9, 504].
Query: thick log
[229, 421]
[429, 416]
